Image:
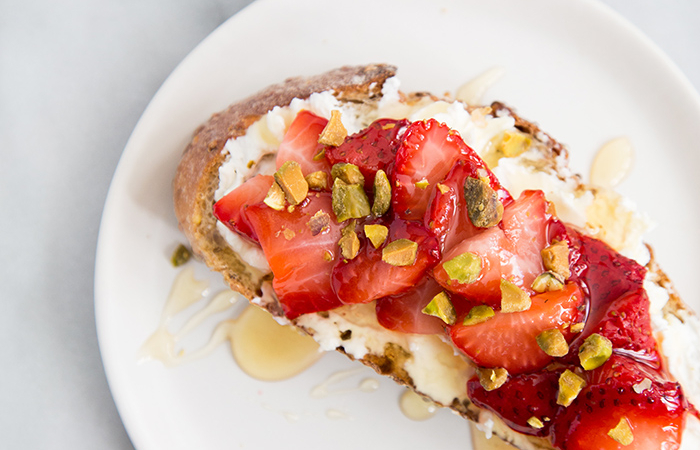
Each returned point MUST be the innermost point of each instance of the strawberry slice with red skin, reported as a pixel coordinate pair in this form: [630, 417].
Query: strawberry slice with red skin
[655, 414]
[230, 209]
[371, 149]
[520, 398]
[427, 154]
[300, 261]
[508, 340]
[404, 312]
[509, 251]
[367, 277]
[300, 143]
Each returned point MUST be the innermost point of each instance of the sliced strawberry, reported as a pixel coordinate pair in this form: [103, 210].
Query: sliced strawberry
[497, 259]
[300, 261]
[654, 410]
[427, 153]
[446, 216]
[367, 277]
[525, 223]
[230, 209]
[508, 340]
[371, 149]
[522, 397]
[300, 143]
[510, 251]
[403, 312]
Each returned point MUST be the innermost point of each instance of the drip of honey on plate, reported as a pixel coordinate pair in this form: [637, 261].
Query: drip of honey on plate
[612, 163]
[416, 407]
[262, 348]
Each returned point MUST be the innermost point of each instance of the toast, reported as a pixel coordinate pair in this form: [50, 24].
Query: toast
[353, 329]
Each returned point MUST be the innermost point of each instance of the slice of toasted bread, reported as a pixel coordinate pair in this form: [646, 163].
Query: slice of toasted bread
[389, 353]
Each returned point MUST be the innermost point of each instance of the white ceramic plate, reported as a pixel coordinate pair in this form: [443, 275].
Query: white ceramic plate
[575, 67]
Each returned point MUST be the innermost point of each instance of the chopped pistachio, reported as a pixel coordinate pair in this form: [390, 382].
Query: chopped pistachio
[478, 314]
[622, 433]
[328, 256]
[319, 222]
[553, 343]
[347, 172]
[570, 386]
[317, 181]
[349, 201]
[513, 299]
[334, 133]
[376, 234]
[180, 256]
[547, 282]
[491, 379]
[534, 422]
[349, 242]
[288, 234]
[441, 306]
[514, 143]
[321, 155]
[442, 188]
[464, 268]
[483, 207]
[577, 327]
[422, 184]
[382, 194]
[556, 258]
[401, 252]
[596, 349]
[292, 182]
[275, 197]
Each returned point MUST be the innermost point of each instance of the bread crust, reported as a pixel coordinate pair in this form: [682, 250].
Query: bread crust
[196, 180]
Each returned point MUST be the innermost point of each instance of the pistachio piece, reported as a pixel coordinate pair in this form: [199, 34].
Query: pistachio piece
[441, 306]
[555, 258]
[442, 188]
[319, 222]
[292, 182]
[349, 242]
[401, 252]
[349, 201]
[513, 299]
[382, 194]
[577, 327]
[317, 181]
[570, 386]
[483, 207]
[547, 282]
[376, 234]
[491, 379]
[464, 268]
[514, 143]
[534, 422]
[596, 349]
[275, 197]
[180, 256]
[347, 172]
[622, 433]
[334, 133]
[321, 155]
[553, 343]
[422, 184]
[478, 314]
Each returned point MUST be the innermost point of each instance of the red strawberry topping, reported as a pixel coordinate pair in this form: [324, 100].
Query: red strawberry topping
[492, 343]
[230, 209]
[301, 261]
[403, 312]
[371, 149]
[300, 143]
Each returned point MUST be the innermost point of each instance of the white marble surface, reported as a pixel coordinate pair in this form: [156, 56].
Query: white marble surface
[75, 76]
